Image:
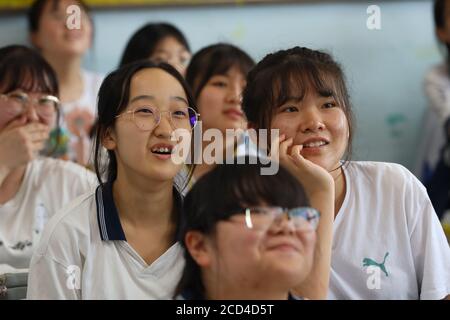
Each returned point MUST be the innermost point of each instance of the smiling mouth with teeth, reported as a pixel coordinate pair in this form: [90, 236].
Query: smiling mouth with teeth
[162, 150]
[315, 144]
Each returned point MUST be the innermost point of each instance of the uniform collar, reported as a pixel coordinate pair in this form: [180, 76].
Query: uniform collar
[108, 217]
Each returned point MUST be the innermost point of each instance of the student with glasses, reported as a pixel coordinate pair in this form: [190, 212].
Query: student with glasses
[120, 242]
[247, 235]
[33, 187]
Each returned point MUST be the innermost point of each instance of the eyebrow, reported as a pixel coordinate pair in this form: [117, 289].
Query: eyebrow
[148, 97]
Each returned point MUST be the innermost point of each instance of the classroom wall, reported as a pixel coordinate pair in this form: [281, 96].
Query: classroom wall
[384, 67]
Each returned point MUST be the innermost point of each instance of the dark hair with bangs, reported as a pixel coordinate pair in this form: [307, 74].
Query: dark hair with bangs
[220, 191]
[113, 98]
[439, 8]
[24, 68]
[214, 60]
[37, 9]
[290, 74]
[144, 42]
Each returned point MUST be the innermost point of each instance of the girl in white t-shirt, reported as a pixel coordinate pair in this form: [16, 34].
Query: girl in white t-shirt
[32, 188]
[63, 43]
[120, 242]
[387, 241]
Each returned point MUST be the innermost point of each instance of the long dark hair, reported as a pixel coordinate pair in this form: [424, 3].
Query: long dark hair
[143, 43]
[292, 72]
[217, 193]
[439, 23]
[213, 60]
[113, 99]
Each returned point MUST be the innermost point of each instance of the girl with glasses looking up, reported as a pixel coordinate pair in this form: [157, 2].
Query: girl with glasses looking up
[120, 242]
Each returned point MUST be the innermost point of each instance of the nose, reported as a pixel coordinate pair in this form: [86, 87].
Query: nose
[234, 94]
[283, 224]
[30, 112]
[311, 121]
[164, 128]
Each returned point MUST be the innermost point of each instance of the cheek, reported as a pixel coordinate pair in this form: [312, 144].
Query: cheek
[286, 125]
[308, 240]
[5, 118]
[237, 242]
[210, 103]
[128, 132]
[338, 126]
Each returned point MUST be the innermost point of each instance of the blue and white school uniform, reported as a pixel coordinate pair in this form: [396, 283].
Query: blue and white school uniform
[84, 254]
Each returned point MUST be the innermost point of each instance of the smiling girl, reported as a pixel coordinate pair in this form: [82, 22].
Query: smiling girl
[387, 243]
[120, 242]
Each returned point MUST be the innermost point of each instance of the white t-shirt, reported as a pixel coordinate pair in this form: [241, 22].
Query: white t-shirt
[83, 254]
[388, 242]
[79, 116]
[47, 186]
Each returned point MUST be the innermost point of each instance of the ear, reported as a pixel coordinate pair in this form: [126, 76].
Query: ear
[442, 35]
[198, 246]
[34, 39]
[109, 139]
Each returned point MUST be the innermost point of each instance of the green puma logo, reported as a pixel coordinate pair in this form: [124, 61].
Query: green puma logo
[369, 262]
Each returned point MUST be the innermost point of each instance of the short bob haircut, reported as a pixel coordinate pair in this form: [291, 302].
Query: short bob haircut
[113, 98]
[292, 74]
[214, 60]
[222, 190]
[143, 43]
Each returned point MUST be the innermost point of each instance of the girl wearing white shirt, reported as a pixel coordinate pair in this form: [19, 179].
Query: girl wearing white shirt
[119, 242]
[387, 242]
[32, 188]
[64, 47]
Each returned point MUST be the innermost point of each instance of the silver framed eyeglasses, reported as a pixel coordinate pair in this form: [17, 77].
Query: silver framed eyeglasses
[45, 105]
[262, 218]
[147, 118]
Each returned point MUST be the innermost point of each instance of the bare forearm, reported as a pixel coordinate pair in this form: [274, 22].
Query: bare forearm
[316, 285]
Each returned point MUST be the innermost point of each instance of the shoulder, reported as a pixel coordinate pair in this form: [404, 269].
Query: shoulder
[374, 168]
[64, 172]
[438, 74]
[381, 174]
[69, 228]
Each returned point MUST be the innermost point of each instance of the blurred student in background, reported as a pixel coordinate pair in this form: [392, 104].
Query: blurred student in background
[217, 76]
[160, 42]
[437, 88]
[64, 49]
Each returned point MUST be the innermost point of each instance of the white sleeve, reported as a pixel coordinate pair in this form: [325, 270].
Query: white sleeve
[438, 93]
[51, 280]
[431, 251]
